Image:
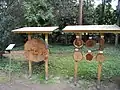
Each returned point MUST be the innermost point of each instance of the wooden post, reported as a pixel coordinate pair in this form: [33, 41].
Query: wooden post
[76, 64]
[46, 38]
[75, 72]
[116, 40]
[30, 62]
[99, 74]
[46, 61]
[99, 71]
[10, 67]
[30, 68]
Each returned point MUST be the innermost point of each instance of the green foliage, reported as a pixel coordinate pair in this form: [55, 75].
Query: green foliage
[109, 17]
[11, 16]
[88, 12]
[38, 13]
[65, 12]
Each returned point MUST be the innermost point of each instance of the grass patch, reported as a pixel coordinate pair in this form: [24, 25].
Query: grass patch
[61, 63]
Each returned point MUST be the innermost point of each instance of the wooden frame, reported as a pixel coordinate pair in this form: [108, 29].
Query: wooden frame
[101, 29]
[30, 31]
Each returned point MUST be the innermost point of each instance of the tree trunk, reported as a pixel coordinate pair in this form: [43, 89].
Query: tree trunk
[80, 12]
[116, 40]
[118, 23]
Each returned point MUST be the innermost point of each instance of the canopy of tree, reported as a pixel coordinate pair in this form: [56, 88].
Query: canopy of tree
[20, 13]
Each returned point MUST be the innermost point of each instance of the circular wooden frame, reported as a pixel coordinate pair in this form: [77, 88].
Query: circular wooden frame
[89, 56]
[78, 43]
[78, 56]
[100, 57]
[90, 43]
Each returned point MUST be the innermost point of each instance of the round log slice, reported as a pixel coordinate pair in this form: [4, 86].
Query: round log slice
[77, 56]
[100, 57]
[36, 50]
[89, 56]
[90, 43]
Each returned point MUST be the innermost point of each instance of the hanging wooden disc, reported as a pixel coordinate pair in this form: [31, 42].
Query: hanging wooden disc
[100, 57]
[35, 50]
[78, 43]
[89, 56]
[77, 56]
[90, 43]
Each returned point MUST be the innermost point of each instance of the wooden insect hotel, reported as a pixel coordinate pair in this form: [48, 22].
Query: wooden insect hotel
[36, 50]
[78, 44]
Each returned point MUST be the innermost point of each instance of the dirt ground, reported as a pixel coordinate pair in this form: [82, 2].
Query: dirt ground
[27, 84]
[20, 84]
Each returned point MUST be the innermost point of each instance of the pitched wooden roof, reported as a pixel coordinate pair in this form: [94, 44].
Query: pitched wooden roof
[92, 29]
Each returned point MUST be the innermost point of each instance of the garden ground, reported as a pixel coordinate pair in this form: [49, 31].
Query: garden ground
[61, 67]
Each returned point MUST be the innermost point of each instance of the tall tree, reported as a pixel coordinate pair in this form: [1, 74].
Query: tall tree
[38, 13]
[118, 13]
[80, 11]
[11, 16]
[88, 12]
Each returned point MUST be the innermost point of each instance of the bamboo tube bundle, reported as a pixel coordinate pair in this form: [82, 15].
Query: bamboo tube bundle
[36, 50]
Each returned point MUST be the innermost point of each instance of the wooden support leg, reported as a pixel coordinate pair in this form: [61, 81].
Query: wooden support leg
[30, 62]
[46, 61]
[75, 72]
[10, 67]
[99, 74]
[30, 68]
[46, 38]
[46, 69]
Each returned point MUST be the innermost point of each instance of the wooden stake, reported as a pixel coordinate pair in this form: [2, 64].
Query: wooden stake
[46, 38]
[10, 67]
[99, 71]
[30, 62]
[46, 61]
[46, 69]
[30, 68]
[29, 37]
[75, 72]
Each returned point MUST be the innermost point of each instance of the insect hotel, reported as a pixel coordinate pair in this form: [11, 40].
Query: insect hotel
[36, 50]
[78, 44]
